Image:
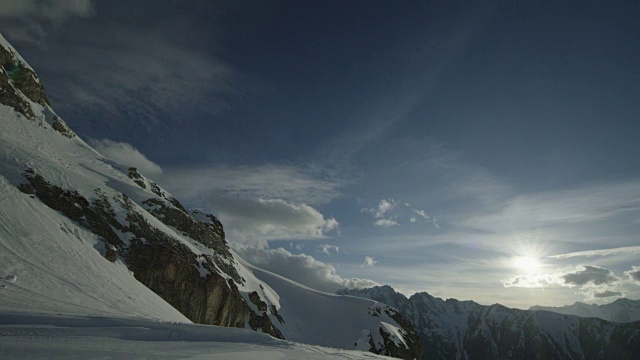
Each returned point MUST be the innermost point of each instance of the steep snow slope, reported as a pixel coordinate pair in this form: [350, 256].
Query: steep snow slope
[57, 337]
[621, 310]
[81, 235]
[56, 270]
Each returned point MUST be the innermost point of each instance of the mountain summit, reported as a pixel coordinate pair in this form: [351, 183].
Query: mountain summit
[81, 235]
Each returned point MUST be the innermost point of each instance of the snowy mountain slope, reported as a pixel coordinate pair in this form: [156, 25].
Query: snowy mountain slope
[62, 337]
[56, 270]
[455, 329]
[83, 236]
[339, 321]
[621, 310]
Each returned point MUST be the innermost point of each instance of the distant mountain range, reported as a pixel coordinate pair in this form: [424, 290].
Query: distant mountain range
[452, 329]
[621, 310]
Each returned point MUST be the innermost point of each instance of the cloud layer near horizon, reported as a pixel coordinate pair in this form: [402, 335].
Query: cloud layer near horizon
[301, 268]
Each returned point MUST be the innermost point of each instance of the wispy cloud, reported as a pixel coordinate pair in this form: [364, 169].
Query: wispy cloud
[29, 20]
[599, 252]
[301, 268]
[125, 154]
[135, 72]
[269, 181]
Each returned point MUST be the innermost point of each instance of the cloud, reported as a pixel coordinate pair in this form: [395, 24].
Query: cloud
[590, 274]
[607, 293]
[390, 212]
[259, 220]
[29, 20]
[138, 73]
[386, 222]
[269, 181]
[260, 203]
[327, 249]
[368, 261]
[301, 268]
[55, 10]
[600, 252]
[127, 155]
[530, 281]
[587, 277]
[634, 274]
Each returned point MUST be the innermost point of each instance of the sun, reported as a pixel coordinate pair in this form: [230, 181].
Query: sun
[527, 263]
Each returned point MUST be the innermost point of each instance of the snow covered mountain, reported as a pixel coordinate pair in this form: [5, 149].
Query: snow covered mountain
[83, 236]
[621, 310]
[452, 329]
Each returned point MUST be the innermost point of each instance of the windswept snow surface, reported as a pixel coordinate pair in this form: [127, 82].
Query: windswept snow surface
[31, 336]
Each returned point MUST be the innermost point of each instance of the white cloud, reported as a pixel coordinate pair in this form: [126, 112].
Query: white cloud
[126, 154]
[634, 274]
[368, 261]
[533, 280]
[390, 212]
[301, 268]
[261, 203]
[386, 222]
[259, 220]
[328, 248]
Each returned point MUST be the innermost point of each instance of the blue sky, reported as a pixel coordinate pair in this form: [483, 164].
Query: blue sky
[485, 152]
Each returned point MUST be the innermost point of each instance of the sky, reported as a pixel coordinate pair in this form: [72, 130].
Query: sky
[474, 151]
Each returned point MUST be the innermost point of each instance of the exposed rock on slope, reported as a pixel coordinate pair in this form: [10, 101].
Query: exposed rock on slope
[455, 329]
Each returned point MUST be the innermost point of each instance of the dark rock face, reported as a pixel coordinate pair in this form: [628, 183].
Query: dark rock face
[388, 347]
[60, 126]
[189, 282]
[10, 96]
[168, 270]
[23, 78]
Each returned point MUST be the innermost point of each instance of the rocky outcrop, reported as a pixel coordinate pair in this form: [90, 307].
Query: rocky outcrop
[168, 269]
[60, 126]
[11, 97]
[22, 77]
[191, 283]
